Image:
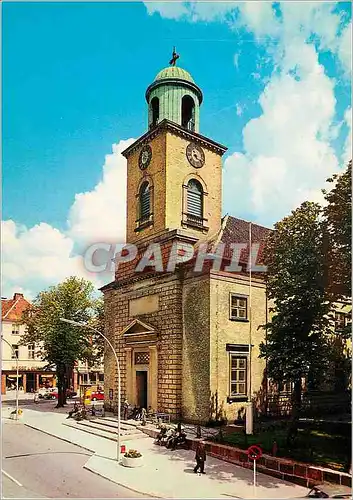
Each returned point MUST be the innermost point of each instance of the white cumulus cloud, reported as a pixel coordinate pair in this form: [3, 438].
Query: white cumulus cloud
[287, 152]
[99, 215]
[41, 256]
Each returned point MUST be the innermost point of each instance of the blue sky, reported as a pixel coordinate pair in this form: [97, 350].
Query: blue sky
[276, 84]
[75, 77]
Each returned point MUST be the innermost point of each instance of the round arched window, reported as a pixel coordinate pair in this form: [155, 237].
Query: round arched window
[194, 201]
[188, 112]
[145, 201]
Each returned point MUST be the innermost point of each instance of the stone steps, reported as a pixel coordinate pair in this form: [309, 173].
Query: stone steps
[113, 424]
[100, 430]
[123, 423]
[112, 429]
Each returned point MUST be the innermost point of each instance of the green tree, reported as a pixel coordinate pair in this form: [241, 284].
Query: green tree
[96, 351]
[296, 343]
[62, 344]
[338, 235]
[338, 230]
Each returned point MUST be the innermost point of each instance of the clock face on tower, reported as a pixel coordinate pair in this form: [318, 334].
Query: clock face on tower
[145, 157]
[195, 155]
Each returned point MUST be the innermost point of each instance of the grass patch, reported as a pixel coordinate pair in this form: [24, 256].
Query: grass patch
[312, 446]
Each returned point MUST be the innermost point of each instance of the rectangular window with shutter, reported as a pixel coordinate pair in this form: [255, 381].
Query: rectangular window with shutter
[145, 206]
[194, 203]
[238, 375]
[238, 307]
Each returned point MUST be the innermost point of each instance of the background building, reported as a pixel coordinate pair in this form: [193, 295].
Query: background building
[32, 372]
[85, 375]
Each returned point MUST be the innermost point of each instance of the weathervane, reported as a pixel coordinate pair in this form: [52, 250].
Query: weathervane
[174, 58]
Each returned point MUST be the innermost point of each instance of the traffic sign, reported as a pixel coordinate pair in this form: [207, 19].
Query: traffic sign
[254, 452]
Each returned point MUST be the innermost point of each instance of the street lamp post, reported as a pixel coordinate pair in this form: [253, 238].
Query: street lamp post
[16, 357]
[85, 325]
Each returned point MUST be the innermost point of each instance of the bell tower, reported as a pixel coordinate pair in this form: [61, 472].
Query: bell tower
[174, 174]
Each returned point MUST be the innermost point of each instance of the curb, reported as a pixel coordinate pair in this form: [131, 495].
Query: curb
[57, 437]
[94, 454]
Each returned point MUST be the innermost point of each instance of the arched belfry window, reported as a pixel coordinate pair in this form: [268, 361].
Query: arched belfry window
[194, 202]
[155, 111]
[144, 202]
[188, 112]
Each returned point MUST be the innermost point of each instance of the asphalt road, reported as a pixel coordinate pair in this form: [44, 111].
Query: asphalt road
[36, 465]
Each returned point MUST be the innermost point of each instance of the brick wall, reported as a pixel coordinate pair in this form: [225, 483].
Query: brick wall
[288, 470]
[167, 321]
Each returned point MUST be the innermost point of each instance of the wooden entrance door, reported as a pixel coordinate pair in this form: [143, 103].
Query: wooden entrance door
[141, 389]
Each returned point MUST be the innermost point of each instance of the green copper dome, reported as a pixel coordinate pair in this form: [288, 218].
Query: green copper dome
[173, 95]
[174, 72]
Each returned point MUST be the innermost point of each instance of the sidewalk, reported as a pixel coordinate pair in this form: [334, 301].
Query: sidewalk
[165, 474]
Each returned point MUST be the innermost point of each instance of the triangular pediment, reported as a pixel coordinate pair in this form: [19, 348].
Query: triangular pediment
[137, 327]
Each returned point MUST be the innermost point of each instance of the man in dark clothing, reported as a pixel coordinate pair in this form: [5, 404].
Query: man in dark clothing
[200, 457]
[74, 411]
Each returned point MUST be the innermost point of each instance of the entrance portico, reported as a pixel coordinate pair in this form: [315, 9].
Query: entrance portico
[141, 364]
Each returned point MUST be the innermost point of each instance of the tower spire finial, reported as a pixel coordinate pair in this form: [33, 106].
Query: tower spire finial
[174, 58]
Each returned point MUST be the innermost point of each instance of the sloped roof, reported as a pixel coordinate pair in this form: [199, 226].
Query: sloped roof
[238, 231]
[13, 309]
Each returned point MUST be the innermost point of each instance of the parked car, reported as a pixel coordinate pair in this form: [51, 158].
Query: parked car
[43, 392]
[97, 396]
[54, 394]
[328, 490]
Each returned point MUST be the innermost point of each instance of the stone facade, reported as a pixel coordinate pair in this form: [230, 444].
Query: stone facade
[185, 326]
[171, 329]
[164, 391]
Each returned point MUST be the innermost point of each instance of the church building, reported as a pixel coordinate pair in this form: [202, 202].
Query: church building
[187, 339]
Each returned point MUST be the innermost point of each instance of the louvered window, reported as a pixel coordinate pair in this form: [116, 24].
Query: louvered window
[195, 202]
[145, 202]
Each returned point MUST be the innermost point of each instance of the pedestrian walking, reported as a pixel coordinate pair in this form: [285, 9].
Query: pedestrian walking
[126, 409]
[200, 457]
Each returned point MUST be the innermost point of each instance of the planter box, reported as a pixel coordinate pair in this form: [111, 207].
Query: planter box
[132, 462]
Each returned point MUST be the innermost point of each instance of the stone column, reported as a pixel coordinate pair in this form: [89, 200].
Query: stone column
[129, 375]
[24, 381]
[153, 379]
[3, 383]
[36, 387]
